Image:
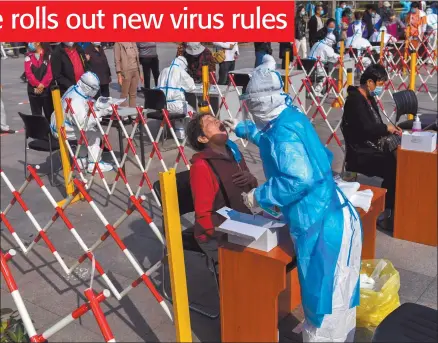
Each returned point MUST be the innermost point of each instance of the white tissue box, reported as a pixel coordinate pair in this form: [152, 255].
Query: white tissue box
[255, 232]
[419, 141]
[266, 242]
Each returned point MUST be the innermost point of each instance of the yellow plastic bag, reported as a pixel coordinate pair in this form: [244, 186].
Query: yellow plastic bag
[375, 305]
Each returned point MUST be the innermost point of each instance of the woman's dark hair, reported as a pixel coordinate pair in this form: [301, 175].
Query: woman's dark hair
[375, 72]
[370, 7]
[358, 15]
[415, 4]
[347, 12]
[299, 9]
[329, 21]
[47, 50]
[194, 130]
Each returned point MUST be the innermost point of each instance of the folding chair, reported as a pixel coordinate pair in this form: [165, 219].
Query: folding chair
[185, 202]
[38, 128]
[408, 323]
[240, 80]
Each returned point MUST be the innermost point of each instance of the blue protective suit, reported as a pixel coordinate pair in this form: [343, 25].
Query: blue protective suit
[406, 9]
[300, 182]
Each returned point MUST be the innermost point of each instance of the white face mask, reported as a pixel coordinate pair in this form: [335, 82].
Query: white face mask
[69, 44]
[96, 43]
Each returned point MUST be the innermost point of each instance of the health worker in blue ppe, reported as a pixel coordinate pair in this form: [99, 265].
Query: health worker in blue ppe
[324, 225]
[174, 81]
[338, 16]
[80, 94]
[323, 50]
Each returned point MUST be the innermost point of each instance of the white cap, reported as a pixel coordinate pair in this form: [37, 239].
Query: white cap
[194, 48]
[386, 4]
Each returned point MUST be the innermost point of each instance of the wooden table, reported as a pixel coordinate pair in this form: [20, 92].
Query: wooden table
[416, 197]
[369, 221]
[255, 290]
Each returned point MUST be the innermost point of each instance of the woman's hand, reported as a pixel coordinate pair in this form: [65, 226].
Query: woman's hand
[243, 178]
[394, 129]
[120, 79]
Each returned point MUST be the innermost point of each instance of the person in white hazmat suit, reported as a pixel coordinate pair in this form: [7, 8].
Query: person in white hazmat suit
[356, 41]
[324, 226]
[174, 81]
[324, 50]
[376, 37]
[431, 31]
[85, 90]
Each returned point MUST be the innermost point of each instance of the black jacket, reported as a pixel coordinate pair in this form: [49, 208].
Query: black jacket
[62, 68]
[99, 64]
[313, 30]
[263, 47]
[300, 27]
[359, 124]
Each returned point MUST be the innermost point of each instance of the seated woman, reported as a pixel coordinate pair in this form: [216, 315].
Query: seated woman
[218, 177]
[370, 144]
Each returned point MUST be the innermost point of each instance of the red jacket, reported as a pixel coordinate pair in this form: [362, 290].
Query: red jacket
[37, 71]
[207, 195]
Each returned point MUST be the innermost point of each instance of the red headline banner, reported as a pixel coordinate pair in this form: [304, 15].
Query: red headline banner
[136, 21]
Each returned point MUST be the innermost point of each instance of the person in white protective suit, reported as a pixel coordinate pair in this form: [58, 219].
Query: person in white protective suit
[431, 31]
[324, 50]
[324, 226]
[376, 37]
[358, 42]
[84, 91]
[174, 81]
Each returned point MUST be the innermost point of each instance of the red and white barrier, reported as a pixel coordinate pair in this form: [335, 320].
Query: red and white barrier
[142, 274]
[41, 233]
[15, 293]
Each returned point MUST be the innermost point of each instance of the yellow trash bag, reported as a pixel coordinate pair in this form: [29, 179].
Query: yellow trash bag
[379, 286]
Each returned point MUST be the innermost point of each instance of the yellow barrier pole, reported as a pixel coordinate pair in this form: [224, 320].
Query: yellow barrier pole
[205, 82]
[352, 175]
[175, 252]
[413, 76]
[286, 70]
[349, 77]
[66, 167]
[203, 105]
[337, 103]
[405, 56]
[382, 45]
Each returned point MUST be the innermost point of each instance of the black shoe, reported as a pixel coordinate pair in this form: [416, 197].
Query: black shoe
[7, 131]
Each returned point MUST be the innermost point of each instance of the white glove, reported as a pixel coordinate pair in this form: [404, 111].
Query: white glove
[249, 199]
[231, 124]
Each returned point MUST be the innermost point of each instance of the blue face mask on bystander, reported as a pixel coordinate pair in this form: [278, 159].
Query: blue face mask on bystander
[377, 91]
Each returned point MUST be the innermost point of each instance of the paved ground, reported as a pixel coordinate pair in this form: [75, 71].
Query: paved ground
[49, 294]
